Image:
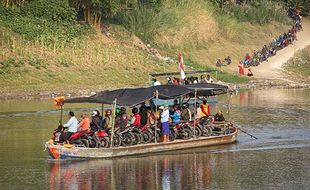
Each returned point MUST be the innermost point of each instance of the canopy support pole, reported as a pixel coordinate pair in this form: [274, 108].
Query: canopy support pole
[156, 110]
[102, 110]
[113, 121]
[195, 113]
[61, 112]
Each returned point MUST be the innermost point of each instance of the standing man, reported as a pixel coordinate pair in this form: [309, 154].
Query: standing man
[164, 120]
[72, 125]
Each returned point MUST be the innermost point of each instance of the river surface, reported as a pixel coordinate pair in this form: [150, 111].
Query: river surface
[279, 159]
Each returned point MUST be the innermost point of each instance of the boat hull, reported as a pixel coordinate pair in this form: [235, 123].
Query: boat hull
[62, 152]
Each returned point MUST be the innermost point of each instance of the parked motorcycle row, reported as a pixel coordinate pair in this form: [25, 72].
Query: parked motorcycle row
[141, 135]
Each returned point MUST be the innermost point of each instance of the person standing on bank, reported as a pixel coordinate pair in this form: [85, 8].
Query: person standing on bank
[164, 120]
[72, 125]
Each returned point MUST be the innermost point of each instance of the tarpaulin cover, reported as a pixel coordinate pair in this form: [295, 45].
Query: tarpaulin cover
[207, 89]
[135, 96]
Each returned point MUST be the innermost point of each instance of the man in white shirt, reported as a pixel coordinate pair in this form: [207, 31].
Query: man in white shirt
[72, 125]
[165, 123]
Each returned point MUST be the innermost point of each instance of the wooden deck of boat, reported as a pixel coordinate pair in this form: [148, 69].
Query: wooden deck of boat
[61, 152]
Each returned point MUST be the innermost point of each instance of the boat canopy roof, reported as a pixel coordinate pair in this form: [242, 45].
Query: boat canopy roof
[178, 73]
[135, 96]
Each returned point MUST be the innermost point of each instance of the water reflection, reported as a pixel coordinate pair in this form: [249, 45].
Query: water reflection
[180, 170]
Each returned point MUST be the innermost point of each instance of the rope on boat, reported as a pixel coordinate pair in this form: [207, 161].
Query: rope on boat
[247, 133]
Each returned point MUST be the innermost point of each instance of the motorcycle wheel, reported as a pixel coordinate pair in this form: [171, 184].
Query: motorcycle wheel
[147, 136]
[197, 131]
[137, 139]
[127, 139]
[104, 142]
[93, 143]
[186, 134]
[207, 131]
[84, 143]
[117, 141]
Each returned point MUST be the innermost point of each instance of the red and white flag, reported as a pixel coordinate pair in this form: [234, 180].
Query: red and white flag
[181, 66]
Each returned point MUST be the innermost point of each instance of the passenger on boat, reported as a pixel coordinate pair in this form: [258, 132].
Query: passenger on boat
[151, 117]
[96, 121]
[186, 114]
[107, 119]
[199, 113]
[57, 134]
[219, 116]
[118, 116]
[71, 125]
[205, 108]
[144, 115]
[209, 79]
[124, 118]
[84, 124]
[136, 118]
[176, 115]
[169, 81]
[164, 120]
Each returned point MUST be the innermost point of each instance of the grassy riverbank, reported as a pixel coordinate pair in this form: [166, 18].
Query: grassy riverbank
[299, 66]
[42, 54]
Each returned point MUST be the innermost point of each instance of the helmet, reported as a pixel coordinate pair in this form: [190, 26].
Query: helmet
[117, 111]
[134, 110]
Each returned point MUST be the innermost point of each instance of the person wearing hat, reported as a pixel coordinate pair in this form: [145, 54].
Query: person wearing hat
[205, 108]
[164, 120]
[96, 121]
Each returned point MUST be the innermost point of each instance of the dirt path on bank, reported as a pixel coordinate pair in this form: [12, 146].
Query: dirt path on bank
[273, 68]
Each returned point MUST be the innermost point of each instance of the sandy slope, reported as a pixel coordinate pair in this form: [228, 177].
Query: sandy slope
[272, 69]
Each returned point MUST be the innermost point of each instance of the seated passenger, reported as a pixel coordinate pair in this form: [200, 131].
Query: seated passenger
[107, 119]
[186, 113]
[96, 121]
[57, 134]
[71, 125]
[219, 62]
[84, 124]
[176, 115]
[136, 118]
[205, 108]
[219, 116]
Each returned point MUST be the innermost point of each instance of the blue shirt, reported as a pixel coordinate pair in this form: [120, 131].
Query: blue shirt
[164, 117]
[176, 117]
[72, 125]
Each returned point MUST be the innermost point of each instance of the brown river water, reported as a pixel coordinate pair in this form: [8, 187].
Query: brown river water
[278, 159]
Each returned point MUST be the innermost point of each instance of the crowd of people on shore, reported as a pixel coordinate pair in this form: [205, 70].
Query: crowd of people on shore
[284, 40]
[145, 115]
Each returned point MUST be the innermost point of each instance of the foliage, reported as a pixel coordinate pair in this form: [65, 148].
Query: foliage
[301, 5]
[300, 64]
[146, 22]
[52, 25]
[259, 11]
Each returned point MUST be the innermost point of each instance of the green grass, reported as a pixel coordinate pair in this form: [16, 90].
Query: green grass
[300, 64]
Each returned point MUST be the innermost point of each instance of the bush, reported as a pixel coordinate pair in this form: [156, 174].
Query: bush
[52, 24]
[260, 11]
[145, 21]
